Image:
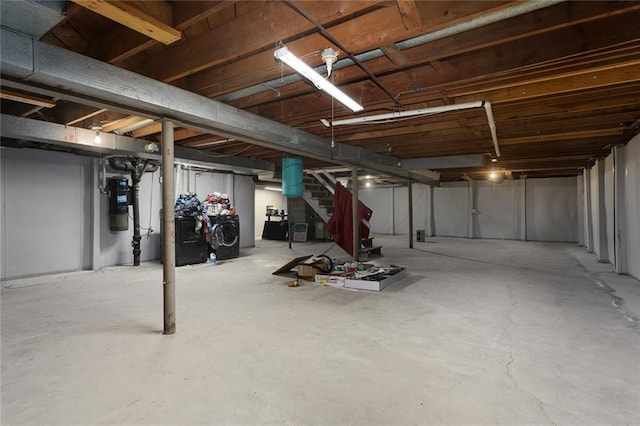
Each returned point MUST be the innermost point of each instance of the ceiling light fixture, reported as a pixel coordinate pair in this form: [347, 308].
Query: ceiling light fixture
[273, 188]
[97, 127]
[306, 71]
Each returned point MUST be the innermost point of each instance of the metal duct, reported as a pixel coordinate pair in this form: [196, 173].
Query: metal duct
[33, 18]
[68, 75]
[20, 128]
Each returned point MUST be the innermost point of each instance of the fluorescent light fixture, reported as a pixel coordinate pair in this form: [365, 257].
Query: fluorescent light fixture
[320, 82]
[272, 188]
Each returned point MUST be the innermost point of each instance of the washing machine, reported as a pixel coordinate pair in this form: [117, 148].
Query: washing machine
[225, 236]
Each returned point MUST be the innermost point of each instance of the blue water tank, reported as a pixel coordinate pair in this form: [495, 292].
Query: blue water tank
[292, 185]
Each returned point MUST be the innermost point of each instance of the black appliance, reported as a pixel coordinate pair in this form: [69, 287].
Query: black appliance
[191, 246]
[225, 236]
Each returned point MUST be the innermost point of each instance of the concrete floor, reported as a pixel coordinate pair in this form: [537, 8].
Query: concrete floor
[480, 332]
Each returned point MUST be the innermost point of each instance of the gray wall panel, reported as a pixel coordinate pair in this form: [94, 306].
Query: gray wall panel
[497, 210]
[632, 204]
[609, 192]
[552, 209]
[451, 205]
[46, 211]
[244, 200]
[380, 200]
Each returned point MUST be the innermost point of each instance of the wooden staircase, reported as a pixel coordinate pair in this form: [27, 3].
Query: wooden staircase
[318, 194]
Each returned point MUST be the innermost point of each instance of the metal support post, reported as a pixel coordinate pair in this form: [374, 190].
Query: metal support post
[289, 225]
[410, 190]
[168, 230]
[523, 208]
[354, 217]
[472, 207]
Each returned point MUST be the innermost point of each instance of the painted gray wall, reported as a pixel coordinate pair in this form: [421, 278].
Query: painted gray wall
[552, 209]
[632, 204]
[498, 210]
[46, 207]
[609, 192]
[244, 201]
[451, 210]
[54, 218]
[595, 211]
[581, 215]
[380, 200]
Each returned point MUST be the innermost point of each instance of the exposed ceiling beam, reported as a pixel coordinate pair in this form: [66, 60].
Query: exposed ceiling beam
[446, 162]
[83, 139]
[136, 19]
[121, 43]
[247, 34]
[409, 13]
[584, 79]
[65, 73]
[122, 123]
[26, 99]
[85, 116]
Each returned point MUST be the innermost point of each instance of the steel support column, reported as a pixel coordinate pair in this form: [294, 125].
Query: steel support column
[432, 212]
[354, 216]
[472, 207]
[168, 230]
[523, 208]
[410, 191]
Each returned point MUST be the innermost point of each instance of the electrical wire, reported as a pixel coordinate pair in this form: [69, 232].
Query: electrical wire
[228, 155]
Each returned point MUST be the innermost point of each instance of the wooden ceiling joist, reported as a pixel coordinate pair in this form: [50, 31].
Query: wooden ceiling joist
[26, 98]
[132, 16]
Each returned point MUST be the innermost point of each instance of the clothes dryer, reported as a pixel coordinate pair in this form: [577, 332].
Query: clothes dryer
[225, 236]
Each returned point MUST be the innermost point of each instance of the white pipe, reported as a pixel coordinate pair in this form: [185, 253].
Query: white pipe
[492, 126]
[135, 126]
[402, 114]
[424, 111]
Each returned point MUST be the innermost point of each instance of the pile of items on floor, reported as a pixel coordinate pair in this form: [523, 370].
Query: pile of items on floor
[354, 275]
[189, 205]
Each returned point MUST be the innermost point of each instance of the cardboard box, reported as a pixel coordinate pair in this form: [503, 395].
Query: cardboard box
[309, 270]
[333, 280]
[375, 285]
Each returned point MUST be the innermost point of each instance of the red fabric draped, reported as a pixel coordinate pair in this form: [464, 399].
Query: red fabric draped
[341, 223]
